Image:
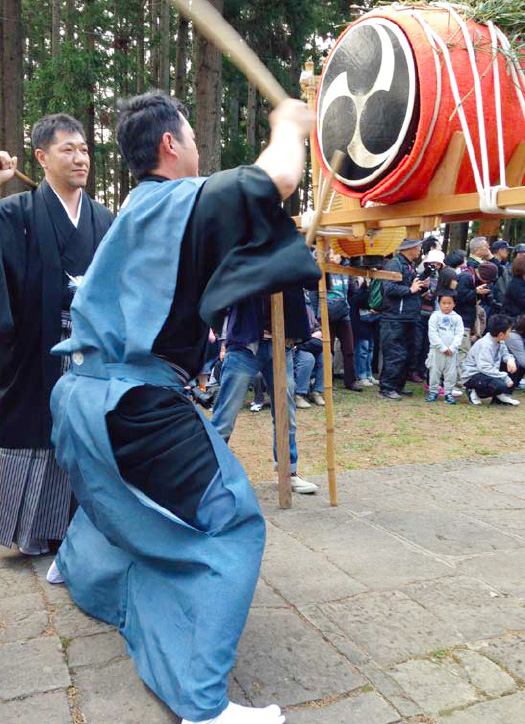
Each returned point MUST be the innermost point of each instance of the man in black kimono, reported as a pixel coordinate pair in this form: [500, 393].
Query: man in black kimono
[47, 240]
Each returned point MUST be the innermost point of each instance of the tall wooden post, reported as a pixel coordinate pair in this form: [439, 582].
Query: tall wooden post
[280, 402]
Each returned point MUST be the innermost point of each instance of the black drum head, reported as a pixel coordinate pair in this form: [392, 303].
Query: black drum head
[368, 104]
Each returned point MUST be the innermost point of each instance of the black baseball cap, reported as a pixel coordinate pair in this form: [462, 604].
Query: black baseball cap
[500, 244]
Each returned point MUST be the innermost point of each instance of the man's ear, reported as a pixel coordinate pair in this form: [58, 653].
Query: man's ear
[168, 145]
[40, 156]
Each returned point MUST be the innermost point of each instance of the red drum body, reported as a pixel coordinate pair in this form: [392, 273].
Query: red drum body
[385, 98]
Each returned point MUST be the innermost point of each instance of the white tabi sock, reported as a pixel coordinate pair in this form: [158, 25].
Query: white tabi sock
[236, 714]
[53, 574]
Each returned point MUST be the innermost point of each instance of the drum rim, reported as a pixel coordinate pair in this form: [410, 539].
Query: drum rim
[402, 38]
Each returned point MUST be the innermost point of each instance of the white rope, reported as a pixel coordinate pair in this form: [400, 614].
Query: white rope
[487, 194]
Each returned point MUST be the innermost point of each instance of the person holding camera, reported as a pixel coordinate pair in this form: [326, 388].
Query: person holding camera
[400, 323]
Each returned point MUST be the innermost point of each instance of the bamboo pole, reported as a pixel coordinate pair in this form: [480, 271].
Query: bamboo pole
[322, 251]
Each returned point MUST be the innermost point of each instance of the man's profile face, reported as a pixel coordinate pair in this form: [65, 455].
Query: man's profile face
[413, 253]
[503, 254]
[66, 160]
[483, 250]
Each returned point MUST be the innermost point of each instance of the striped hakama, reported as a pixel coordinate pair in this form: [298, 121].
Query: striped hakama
[35, 495]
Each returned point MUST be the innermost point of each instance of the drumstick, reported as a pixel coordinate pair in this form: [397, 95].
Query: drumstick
[335, 165]
[22, 177]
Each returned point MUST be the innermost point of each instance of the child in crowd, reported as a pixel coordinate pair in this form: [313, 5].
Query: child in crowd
[482, 374]
[445, 332]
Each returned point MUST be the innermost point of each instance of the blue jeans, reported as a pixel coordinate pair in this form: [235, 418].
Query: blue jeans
[307, 365]
[364, 353]
[239, 368]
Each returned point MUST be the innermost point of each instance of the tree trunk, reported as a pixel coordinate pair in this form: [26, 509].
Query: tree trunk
[251, 112]
[208, 96]
[458, 236]
[70, 20]
[181, 59]
[141, 69]
[55, 28]
[13, 83]
[89, 110]
[154, 42]
[164, 69]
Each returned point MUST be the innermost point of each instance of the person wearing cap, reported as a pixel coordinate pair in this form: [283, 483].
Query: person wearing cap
[519, 249]
[500, 255]
[400, 322]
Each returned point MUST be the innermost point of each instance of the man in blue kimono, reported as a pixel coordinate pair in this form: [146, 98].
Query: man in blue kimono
[168, 538]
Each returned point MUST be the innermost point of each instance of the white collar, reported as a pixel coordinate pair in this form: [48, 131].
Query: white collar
[74, 219]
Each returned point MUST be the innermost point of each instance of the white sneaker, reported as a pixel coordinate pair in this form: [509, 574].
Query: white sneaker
[456, 393]
[53, 574]
[301, 402]
[473, 397]
[303, 486]
[317, 399]
[373, 380]
[256, 406]
[507, 399]
[366, 382]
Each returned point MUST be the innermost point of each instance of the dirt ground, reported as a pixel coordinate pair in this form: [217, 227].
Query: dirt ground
[373, 432]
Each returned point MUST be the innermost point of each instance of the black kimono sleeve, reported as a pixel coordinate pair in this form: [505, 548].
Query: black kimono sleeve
[239, 243]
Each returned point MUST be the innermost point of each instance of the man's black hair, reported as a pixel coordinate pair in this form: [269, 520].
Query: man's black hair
[429, 243]
[43, 131]
[455, 258]
[447, 293]
[142, 122]
[498, 323]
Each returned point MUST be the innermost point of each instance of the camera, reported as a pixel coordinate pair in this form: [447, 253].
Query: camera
[430, 271]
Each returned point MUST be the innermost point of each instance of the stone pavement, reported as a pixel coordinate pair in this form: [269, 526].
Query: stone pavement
[404, 604]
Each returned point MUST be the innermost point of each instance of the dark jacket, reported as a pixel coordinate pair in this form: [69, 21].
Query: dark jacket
[31, 300]
[399, 302]
[466, 299]
[514, 304]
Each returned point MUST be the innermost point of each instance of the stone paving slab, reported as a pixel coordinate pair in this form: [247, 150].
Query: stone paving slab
[16, 578]
[95, 650]
[70, 621]
[22, 617]
[311, 579]
[507, 710]
[508, 521]
[366, 708]
[491, 475]
[473, 608]
[369, 555]
[390, 626]
[445, 533]
[509, 652]
[283, 658]
[433, 686]
[485, 675]
[50, 708]
[31, 667]
[114, 694]
[504, 571]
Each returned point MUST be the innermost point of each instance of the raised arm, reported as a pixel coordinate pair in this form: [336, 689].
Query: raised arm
[283, 159]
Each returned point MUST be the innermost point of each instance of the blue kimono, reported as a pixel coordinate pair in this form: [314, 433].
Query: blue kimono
[179, 589]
